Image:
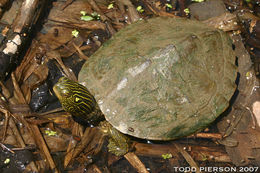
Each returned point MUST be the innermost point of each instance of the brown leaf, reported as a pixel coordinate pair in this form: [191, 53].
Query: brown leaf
[73, 20]
[56, 36]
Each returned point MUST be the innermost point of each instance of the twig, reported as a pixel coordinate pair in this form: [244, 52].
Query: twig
[212, 154]
[6, 148]
[17, 134]
[95, 169]
[17, 90]
[38, 138]
[187, 157]
[66, 4]
[81, 54]
[72, 145]
[156, 11]
[43, 147]
[17, 36]
[133, 14]
[7, 117]
[51, 111]
[207, 135]
[135, 162]
[5, 91]
[91, 142]
[231, 128]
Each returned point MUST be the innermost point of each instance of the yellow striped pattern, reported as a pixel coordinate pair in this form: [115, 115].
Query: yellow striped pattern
[75, 98]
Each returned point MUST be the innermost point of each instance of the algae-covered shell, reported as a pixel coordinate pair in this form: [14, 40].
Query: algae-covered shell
[162, 78]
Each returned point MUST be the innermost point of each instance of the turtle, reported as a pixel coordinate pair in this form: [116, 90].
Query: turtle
[157, 79]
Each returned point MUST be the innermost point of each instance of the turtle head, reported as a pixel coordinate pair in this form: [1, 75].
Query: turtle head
[74, 97]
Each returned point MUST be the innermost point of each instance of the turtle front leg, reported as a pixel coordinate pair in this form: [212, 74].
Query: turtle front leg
[119, 144]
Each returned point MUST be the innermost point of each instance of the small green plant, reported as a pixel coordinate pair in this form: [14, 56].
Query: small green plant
[50, 132]
[168, 5]
[83, 13]
[203, 157]
[187, 11]
[167, 156]
[86, 17]
[95, 15]
[140, 9]
[75, 33]
[7, 161]
[110, 6]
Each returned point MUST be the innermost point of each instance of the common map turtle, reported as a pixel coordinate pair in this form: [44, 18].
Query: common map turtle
[157, 79]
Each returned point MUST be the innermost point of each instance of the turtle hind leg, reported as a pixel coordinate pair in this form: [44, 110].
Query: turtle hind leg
[119, 144]
[116, 148]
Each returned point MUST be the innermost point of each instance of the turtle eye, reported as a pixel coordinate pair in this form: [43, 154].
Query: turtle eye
[77, 99]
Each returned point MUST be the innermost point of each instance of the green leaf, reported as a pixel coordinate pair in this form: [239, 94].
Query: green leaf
[204, 157]
[95, 15]
[110, 6]
[50, 133]
[187, 11]
[168, 5]
[140, 9]
[83, 13]
[75, 33]
[167, 156]
[7, 160]
[86, 18]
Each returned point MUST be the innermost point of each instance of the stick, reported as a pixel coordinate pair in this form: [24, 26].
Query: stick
[135, 162]
[43, 147]
[187, 157]
[17, 35]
